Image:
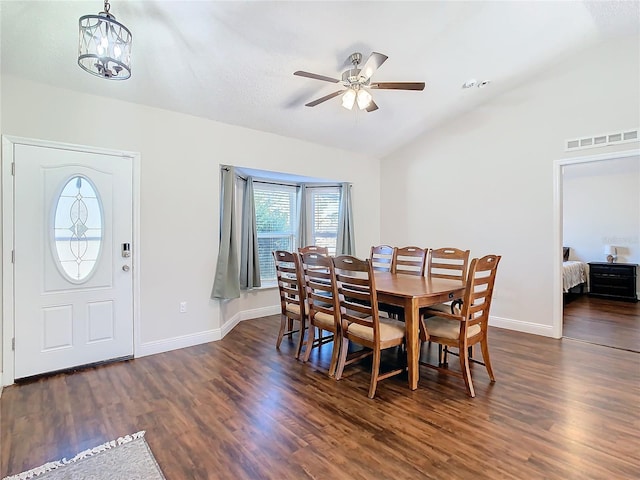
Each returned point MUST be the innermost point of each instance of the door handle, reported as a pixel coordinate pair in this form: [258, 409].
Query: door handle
[125, 268]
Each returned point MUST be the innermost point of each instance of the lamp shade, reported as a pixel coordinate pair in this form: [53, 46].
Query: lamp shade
[104, 47]
[349, 98]
[364, 99]
[610, 250]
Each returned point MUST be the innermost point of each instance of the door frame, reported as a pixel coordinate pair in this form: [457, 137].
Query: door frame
[558, 229]
[7, 372]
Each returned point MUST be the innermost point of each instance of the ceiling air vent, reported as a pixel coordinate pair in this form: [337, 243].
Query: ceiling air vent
[602, 140]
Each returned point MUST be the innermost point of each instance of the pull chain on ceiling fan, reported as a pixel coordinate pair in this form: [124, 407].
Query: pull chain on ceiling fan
[357, 82]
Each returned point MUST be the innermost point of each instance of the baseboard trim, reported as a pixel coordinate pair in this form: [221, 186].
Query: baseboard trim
[248, 315]
[161, 346]
[260, 312]
[520, 326]
[230, 324]
[184, 341]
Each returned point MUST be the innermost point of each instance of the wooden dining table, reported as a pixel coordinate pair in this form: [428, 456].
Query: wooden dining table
[412, 293]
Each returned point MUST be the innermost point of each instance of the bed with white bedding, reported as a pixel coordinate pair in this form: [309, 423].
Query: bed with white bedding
[574, 273]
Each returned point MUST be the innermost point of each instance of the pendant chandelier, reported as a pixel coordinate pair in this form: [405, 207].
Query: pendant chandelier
[104, 47]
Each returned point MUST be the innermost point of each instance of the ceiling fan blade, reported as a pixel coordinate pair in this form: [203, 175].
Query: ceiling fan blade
[315, 76]
[324, 99]
[372, 106]
[372, 64]
[398, 85]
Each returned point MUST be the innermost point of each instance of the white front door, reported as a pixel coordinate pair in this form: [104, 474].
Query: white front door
[73, 290]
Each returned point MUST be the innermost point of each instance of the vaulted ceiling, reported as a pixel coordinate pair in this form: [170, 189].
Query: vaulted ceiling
[233, 61]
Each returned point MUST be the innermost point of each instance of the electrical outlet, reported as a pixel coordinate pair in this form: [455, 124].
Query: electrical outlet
[183, 307]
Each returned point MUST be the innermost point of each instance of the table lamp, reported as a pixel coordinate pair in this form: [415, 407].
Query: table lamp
[611, 253]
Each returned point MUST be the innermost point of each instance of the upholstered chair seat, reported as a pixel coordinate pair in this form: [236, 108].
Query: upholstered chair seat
[293, 308]
[389, 330]
[446, 328]
[324, 320]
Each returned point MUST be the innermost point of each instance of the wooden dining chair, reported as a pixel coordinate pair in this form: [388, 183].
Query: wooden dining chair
[314, 249]
[292, 297]
[360, 322]
[453, 264]
[409, 260]
[381, 257]
[470, 326]
[323, 306]
[449, 263]
[406, 261]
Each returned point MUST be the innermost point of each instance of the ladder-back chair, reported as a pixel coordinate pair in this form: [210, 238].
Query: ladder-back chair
[360, 322]
[314, 249]
[292, 297]
[323, 306]
[381, 257]
[470, 326]
[449, 263]
[406, 261]
[410, 260]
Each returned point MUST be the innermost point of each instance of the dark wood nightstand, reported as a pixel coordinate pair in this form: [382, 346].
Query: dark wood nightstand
[613, 280]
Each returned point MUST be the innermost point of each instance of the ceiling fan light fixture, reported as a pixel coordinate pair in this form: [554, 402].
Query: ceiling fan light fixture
[363, 98]
[356, 83]
[104, 47]
[349, 99]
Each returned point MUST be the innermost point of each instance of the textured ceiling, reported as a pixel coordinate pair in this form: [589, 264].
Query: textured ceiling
[234, 61]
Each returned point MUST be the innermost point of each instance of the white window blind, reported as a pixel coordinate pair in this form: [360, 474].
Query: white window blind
[276, 221]
[324, 209]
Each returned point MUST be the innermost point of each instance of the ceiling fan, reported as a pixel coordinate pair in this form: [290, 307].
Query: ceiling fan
[357, 82]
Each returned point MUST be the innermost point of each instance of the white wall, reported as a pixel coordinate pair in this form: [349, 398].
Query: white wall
[601, 206]
[484, 181]
[180, 159]
[2, 257]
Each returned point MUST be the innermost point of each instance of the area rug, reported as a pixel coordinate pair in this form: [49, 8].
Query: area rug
[127, 458]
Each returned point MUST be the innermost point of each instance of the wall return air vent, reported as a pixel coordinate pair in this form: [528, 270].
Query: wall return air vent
[603, 140]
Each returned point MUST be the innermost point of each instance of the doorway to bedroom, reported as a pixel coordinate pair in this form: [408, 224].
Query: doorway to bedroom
[601, 217]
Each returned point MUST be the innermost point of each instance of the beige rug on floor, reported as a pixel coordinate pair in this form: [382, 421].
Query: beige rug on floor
[127, 458]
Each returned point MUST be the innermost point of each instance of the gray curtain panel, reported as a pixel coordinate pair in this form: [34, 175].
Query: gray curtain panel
[303, 232]
[346, 243]
[226, 284]
[249, 259]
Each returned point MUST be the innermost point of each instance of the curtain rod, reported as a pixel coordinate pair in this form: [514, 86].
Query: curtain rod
[308, 185]
[293, 184]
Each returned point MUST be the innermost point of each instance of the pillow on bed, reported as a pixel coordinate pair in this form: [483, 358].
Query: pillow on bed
[565, 254]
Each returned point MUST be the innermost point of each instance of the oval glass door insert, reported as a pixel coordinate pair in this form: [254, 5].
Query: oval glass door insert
[78, 229]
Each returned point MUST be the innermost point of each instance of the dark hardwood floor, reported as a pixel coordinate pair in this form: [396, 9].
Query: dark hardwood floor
[612, 323]
[240, 409]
